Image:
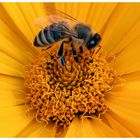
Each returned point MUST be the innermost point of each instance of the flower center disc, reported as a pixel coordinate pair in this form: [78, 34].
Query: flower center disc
[59, 94]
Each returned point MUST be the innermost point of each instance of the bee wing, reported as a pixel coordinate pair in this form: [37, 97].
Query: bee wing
[53, 16]
[42, 22]
[45, 21]
[54, 11]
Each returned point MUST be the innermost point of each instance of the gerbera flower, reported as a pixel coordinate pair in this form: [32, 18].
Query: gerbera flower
[98, 97]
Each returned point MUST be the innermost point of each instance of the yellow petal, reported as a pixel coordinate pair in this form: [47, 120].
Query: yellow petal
[29, 15]
[124, 16]
[44, 131]
[125, 103]
[128, 60]
[13, 120]
[99, 15]
[117, 126]
[12, 91]
[10, 66]
[35, 10]
[39, 8]
[129, 38]
[75, 9]
[36, 129]
[15, 16]
[14, 46]
[131, 125]
[89, 128]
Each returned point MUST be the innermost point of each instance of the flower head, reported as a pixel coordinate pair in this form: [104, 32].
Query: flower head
[99, 95]
[59, 94]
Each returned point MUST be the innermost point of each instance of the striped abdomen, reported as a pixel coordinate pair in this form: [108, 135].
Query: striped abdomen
[49, 35]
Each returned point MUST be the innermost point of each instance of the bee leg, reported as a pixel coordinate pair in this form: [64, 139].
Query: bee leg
[74, 52]
[61, 51]
[81, 49]
[98, 49]
[62, 61]
[60, 55]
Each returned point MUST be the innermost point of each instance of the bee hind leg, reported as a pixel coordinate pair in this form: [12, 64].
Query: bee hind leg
[60, 55]
[74, 52]
[81, 49]
[61, 52]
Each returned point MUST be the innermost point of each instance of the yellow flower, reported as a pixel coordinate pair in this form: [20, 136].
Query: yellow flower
[118, 24]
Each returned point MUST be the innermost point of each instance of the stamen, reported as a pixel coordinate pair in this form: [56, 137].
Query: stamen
[59, 94]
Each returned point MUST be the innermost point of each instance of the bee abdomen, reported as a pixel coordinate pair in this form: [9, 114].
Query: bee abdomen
[43, 39]
[49, 35]
[53, 33]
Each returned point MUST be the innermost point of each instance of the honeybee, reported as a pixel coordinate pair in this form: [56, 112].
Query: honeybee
[61, 26]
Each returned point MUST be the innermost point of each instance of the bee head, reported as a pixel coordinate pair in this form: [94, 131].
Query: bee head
[93, 41]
